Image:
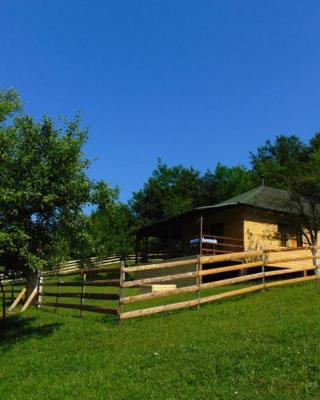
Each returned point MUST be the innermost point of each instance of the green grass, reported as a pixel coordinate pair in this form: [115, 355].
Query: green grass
[259, 346]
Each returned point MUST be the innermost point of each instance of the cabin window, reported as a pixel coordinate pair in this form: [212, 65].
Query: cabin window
[290, 236]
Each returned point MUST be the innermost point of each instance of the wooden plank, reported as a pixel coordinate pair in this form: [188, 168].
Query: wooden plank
[230, 268]
[18, 299]
[291, 259]
[187, 304]
[98, 296]
[287, 249]
[232, 293]
[159, 309]
[85, 271]
[103, 310]
[290, 281]
[230, 256]
[159, 279]
[102, 282]
[30, 299]
[209, 285]
[150, 296]
[170, 264]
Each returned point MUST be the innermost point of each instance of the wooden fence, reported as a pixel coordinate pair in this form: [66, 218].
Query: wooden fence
[129, 292]
[75, 287]
[254, 267]
[12, 291]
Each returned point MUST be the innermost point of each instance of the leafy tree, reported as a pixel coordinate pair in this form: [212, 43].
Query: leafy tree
[167, 192]
[43, 187]
[225, 182]
[290, 164]
[110, 230]
[275, 161]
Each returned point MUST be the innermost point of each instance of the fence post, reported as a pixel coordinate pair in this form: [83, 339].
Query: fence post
[198, 280]
[263, 269]
[83, 290]
[121, 289]
[40, 289]
[58, 291]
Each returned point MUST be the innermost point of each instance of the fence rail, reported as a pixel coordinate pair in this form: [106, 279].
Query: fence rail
[258, 266]
[117, 290]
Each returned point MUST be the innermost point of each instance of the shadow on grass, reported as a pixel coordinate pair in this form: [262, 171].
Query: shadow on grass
[15, 329]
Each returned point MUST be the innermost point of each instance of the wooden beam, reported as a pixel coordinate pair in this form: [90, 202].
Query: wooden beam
[30, 299]
[225, 295]
[291, 259]
[155, 295]
[97, 296]
[230, 268]
[155, 310]
[171, 264]
[18, 299]
[290, 281]
[230, 256]
[159, 279]
[103, 310]
[108, 282]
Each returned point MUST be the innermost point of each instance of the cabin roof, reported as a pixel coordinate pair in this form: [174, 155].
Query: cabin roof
[262, 197]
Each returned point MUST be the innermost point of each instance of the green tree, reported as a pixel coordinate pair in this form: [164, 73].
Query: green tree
[225, 182]
[290, 164]
[276, 161]
[110, 230]
[43, 187]
[169, 191]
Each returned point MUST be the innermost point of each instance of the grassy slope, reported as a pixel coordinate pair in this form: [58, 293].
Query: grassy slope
[265, 345]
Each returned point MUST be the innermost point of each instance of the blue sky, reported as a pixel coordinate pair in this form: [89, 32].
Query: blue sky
[192, 82]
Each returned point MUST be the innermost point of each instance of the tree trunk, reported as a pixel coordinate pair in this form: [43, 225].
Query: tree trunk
[32, 282]
[316, 261]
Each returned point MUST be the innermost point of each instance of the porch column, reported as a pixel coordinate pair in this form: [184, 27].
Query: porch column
[201, 234]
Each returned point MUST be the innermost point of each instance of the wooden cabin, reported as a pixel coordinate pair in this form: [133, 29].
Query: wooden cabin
[254, 220]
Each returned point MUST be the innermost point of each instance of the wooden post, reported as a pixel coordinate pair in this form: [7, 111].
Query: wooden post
[201, 234]
[83, 290]
[121, 289]
[58, 291]
[263, 270]
[40, 289]
[30, 299]
[198, 281]
[18, 299]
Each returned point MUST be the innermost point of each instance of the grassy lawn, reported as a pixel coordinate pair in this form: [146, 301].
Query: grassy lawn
[263, 345]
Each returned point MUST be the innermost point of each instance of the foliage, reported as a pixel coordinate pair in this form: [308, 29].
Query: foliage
[44, 185]
[167, 192]
[110, 230]
[263, 346]
[225, 182]
[290, 164]
[172, 190]
[278, 161]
